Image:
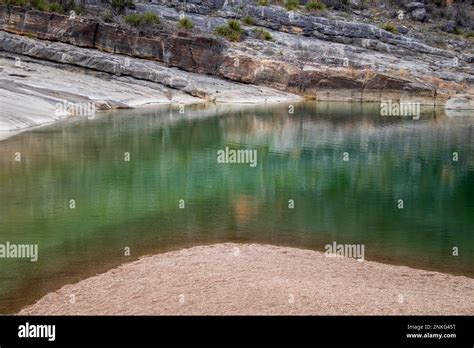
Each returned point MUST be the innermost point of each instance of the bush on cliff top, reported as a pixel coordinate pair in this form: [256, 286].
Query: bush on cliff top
[185, 23]
[107, 16]
[315, 5]
[40, 5]
[390, 27]
[263, 34]
[45, 6]
[150, 18]
[232, 31]
[133, 19]
[136, 19]
[21, 3]
[56, 7]
[248, 20]
[120, 5]
[291, 5]
[234, 25]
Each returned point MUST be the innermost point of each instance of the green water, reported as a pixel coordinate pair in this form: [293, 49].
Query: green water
[135, 204]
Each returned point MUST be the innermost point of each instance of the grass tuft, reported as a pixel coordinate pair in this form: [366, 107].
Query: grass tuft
[315, 5]
[263, 34]
[232, 31]
[185, 23]
[150, 18]
[133, 19]
[390, 27]
[247, 20]
[292, 5]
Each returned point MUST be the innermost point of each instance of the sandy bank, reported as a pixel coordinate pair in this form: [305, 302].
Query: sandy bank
[260, 279]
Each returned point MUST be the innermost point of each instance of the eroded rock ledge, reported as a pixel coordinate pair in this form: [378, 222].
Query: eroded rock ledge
[32, 90]
[426, 75]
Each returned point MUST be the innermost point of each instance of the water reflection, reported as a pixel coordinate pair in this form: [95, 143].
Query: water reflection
[173, 156]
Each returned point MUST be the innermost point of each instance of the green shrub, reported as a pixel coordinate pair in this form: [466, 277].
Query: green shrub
[315, 5]
[150, 18]
[56, 7]
[469, 35]
[248, 20]
[346, 5]
[21, 3]
[263, 34]
[262, 2]
[390, 27]
[133, 19]
[291, 5]
[234, 25]
[228, 33]
[107, 16]
[78, 9]
[40, 5]
[458, 31]
[232, 31]
[222, 30]
[120, 5]
[136, 19]
[185, 23]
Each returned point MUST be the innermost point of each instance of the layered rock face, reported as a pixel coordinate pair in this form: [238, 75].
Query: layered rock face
[195, 53]
[316, 57]
[38, 91]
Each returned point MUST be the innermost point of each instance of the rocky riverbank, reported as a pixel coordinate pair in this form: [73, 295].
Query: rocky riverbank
[281, 56]
[35, 91]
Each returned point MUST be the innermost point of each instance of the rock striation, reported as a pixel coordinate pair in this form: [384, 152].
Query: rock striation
[309, 55]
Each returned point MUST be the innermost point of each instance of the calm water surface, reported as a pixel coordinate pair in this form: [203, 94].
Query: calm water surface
[172, 157]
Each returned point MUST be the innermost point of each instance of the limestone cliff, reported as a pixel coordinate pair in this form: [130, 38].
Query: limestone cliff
[314, 56]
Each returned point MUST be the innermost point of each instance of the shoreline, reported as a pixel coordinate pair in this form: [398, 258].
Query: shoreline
[253, 279]
[36, 88]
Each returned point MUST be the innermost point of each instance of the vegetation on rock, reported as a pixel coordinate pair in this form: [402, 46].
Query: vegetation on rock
[292, 5]
[56, 7]
[263, 34]
[133, 19]
[390, 27]
[247, 20]
[185, 23]
[120, 6]
[232, 31]
[107, 16]
[21, 3]
[315, 5]
[136, 19]
[45, 5]
[40, 5]
[150, 18]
